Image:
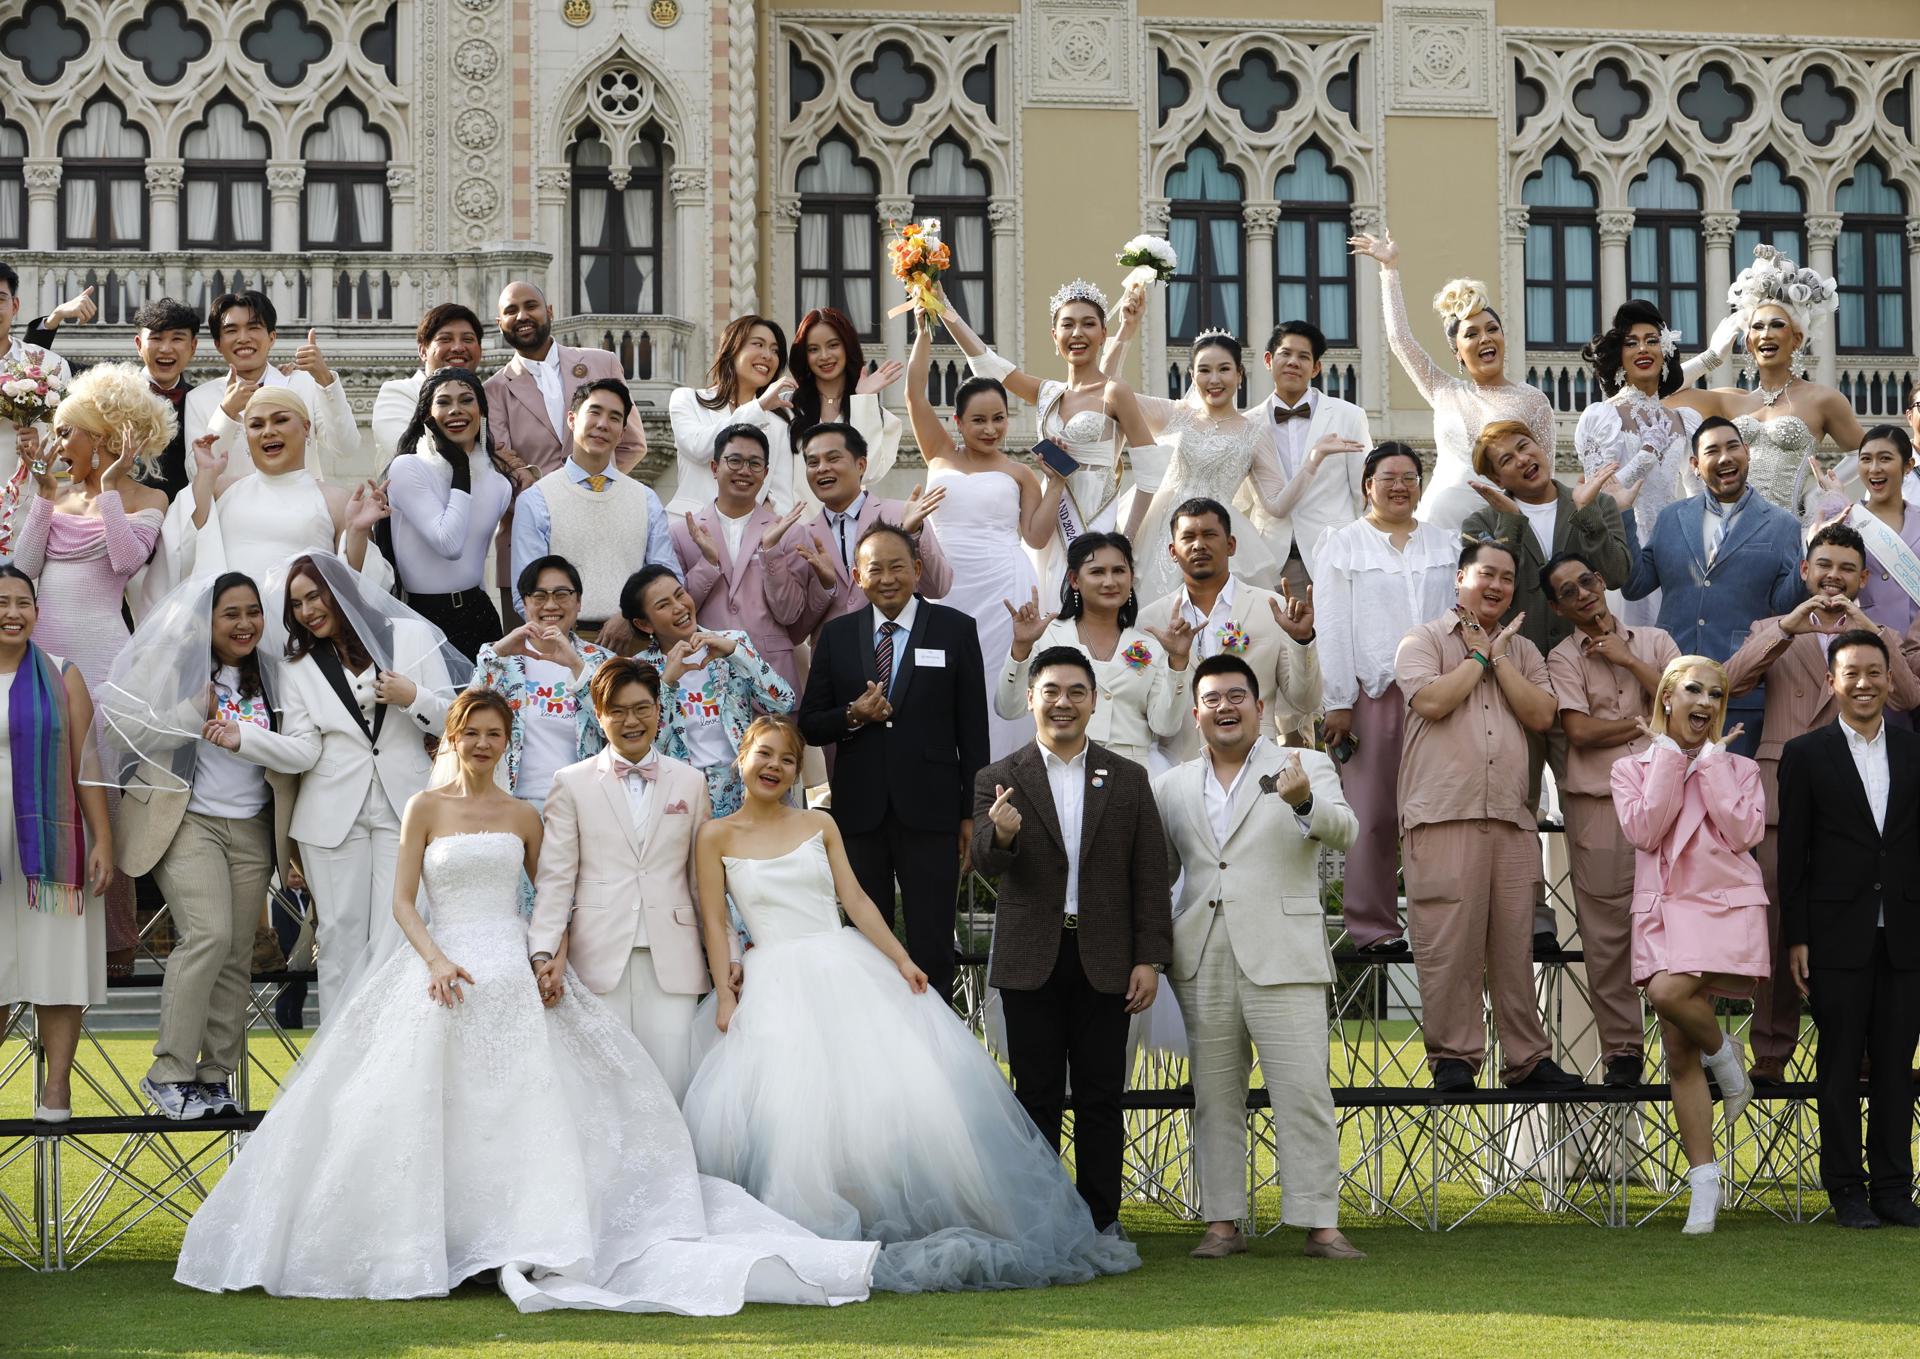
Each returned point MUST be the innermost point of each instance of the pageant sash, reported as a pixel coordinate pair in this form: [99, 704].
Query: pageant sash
[1889, 549]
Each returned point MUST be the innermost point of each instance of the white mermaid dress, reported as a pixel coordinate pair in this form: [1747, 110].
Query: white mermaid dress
[844, 1101]
[418, 1145]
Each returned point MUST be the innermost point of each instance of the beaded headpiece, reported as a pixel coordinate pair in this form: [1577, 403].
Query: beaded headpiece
[1077, 291]
[1773, 279]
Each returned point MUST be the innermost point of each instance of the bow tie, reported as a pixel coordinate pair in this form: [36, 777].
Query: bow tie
[1282, 414]
[648, 769]
[177, 393]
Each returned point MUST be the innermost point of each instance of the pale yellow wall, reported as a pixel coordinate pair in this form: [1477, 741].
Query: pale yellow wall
[1758, 19]
[1080, 201]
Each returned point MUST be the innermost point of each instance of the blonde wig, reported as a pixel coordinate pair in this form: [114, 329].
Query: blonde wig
[1670, 678]
[111, 397]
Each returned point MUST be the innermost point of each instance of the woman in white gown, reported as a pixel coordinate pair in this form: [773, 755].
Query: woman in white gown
[452, 1120]
[746, 387]
[992, 505]
[845, 1096]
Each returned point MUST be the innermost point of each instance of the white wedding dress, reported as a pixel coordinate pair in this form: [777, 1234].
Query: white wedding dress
[844, 1101]
[417, 1145]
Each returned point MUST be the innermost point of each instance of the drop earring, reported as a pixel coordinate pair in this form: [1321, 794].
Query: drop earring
[1076, 599]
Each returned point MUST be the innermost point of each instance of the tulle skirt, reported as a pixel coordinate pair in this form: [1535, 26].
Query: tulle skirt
[864, 1112]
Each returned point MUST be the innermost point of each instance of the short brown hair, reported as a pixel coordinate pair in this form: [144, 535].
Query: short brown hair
[467, 700]
[1491, 434]
[618, 671]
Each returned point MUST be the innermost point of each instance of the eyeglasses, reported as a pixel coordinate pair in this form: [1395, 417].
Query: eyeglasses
[1231, 698]
[735, 463]
[564, 595]
[1397, 479]
[1581, 584]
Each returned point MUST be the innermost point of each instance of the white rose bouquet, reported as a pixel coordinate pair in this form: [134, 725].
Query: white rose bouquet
[1150, 259]
[30, 387]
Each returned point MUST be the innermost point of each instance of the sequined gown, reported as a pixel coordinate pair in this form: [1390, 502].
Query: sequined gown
[1211, 458]
[1461, 409]
[1659, 460]
[418, 1145]
[1777, 452]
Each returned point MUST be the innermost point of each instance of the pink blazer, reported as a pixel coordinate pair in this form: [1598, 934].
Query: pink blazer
[822, 605]
[763, 594]
[517, 413]
[598, 877]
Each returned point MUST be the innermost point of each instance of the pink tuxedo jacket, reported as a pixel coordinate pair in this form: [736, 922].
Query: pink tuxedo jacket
[763, 594]
[517, 413]
[823, 606]
[598, 877]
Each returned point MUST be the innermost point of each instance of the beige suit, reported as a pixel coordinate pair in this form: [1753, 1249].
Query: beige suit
[1289, 672]
[624, 898]
[1250, 964]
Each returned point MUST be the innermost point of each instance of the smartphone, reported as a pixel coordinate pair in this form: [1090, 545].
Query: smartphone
[1055, 458]
[1345, 748]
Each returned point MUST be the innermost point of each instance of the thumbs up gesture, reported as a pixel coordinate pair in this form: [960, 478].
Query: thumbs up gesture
[308, 359]
[78, 310]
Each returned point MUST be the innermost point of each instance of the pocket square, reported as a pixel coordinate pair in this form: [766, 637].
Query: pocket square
[675, 809]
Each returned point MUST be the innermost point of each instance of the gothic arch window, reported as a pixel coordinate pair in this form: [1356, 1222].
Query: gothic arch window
[1206, 231]
[1663, 255]
[1312, 270]
[1870, 262]
[1773, 211]
[840, 235]
[950, 186]
[13, 185]
[617, 225]
[1562, 255]
[103, 187]
[346, 203]
[225, 195]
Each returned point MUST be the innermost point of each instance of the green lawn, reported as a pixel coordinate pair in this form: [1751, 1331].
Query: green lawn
[1510, 1282]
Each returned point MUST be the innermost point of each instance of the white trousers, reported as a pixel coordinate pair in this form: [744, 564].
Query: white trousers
[1226, 1017]
[352, 887]
[662, 1020]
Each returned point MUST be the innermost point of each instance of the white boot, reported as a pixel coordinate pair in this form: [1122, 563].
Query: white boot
[1729, 1068]
[1704, 1199]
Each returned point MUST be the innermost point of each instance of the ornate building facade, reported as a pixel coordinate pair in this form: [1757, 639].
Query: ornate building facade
[662, 166]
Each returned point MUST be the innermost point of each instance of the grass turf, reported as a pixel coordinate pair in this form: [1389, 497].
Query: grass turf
[1510, 1282]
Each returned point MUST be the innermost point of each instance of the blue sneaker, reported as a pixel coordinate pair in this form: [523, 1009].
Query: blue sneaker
[177, 1100]
[218, 1097]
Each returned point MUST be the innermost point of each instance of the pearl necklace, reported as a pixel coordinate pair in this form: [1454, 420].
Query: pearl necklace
[1767, 396]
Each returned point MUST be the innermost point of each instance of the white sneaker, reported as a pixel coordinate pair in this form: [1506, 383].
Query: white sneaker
[177, 1100]
[1703, 1202]
[1729, 1067]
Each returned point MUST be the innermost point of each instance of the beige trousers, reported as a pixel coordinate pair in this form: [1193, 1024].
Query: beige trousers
[214, 876]
[1603, 863]
[1224, 1014]
[662, 1020]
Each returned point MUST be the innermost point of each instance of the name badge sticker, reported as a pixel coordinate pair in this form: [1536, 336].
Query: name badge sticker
[930, 656]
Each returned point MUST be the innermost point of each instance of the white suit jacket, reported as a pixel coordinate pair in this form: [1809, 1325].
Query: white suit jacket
[599, 878]
[1333, 496]
[1264, 882]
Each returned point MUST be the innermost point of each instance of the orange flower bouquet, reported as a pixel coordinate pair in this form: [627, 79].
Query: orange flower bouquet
[918, 257]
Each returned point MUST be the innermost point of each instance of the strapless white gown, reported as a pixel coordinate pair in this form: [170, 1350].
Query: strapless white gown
[979, 527]
[1777, 452]
[844, 1101]
[418, 1145]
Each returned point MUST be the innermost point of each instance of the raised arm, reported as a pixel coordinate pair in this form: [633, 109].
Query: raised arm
[980, 359]
[1647, 795]
[928, 431]
[415, 497]
[1427, 374]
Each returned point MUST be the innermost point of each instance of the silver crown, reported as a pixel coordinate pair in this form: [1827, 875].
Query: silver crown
[1215, 333]
[1077, 291]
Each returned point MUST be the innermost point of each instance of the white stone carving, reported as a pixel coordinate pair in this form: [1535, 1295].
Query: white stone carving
[1441, 58]
[1081, 52]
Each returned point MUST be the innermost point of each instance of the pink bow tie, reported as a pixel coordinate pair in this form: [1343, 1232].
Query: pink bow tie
[647, 770]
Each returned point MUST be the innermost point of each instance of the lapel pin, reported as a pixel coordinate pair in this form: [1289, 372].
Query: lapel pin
[579, 370]
[1099, 778]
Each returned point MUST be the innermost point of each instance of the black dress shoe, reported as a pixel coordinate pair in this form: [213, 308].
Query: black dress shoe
[1623, 1072]
[1384, 946]
[1766, 1077]
[1548, 1075]
[1897, 1212]
[1852, 1212]
[1545, 944]
[1452, 1075]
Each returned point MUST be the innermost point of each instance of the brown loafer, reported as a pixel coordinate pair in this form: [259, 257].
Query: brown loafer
[1337, 1249]
[1214, 1247]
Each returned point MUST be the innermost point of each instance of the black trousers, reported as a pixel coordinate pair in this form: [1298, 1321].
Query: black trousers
[1068, 1027]
[1871, 1011]
[467, 617]
[926, 864]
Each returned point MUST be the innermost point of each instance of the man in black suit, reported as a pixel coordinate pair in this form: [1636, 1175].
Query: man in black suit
[167, 335]
[1084, 922]
[899, 690]
[1850, 913]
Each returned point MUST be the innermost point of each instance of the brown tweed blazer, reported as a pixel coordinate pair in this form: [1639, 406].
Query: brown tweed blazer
[1126, 911]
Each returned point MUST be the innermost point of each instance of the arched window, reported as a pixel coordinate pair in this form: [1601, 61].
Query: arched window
[103, 185]
[1772, 211]
[226, 181]
[953, 188]
[346, 187]
[1312, 271]
[13, 185]
[1206, 230]
[840, 236]
[1871, 263]
[1562, 255]
[616, 228]
[1663, 257]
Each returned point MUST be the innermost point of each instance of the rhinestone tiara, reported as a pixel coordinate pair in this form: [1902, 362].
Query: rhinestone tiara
[1214, 333]
[1077, 291]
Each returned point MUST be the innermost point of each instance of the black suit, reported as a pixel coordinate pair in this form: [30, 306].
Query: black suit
[1840, 877]
[902, 787]
[169, 472]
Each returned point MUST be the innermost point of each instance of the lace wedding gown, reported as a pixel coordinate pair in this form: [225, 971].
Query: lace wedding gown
[1651, 445]
[841, 1099]
[417, 1146]
[1211, 458]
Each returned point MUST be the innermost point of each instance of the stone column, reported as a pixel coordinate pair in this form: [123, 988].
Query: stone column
[42, 174]
[786, 256]
[285, 179]
[1156, 219]
[1259, 221]
[1513, 285]
[550, 184]
[1823, 229]
[1370, 336]
[1717, 229]
[686, 298]
[1913, 295]
[1616, 226]
[1003, 221]
[164, 180]
[895, 331]
[400, 191]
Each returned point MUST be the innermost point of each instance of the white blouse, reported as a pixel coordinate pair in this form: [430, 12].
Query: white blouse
[1139, 701]
[1367, 596]
[694, 430]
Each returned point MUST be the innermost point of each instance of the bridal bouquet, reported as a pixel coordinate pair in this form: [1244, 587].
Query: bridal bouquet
[1150, 259]
[30, 388]
[918, 257]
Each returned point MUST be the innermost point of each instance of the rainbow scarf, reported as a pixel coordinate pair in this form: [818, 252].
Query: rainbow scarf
[46, 799]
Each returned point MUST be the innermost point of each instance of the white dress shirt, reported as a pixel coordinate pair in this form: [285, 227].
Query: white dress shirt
[903, 626]
[1714, 527]
[734, 529]
[1870, 761]
[1068, 781]
[1290, 436]
[640, 804]
[845, 526]
[1219, 797]
[546, 375]
[1207, 627]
